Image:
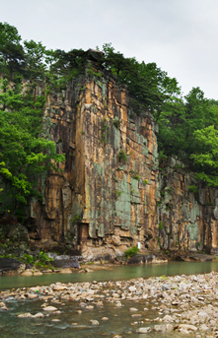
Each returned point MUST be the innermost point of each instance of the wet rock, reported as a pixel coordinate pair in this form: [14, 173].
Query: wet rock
[133, 309]
[144, 330]
[31, 295]
[50, 308]
[140, 259]
[38, 315]
[27, 273]
[66, 270]
[24, 315]
[3, 306]
[94, 322]
[37, 273]
[168, 318]
[187, 327]
[163, 328]
[118, 304]
[65, 263]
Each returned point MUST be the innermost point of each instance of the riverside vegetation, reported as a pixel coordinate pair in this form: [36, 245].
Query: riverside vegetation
[188, 125]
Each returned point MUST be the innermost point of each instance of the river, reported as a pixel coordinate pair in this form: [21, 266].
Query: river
[120, 321]
[115, 273]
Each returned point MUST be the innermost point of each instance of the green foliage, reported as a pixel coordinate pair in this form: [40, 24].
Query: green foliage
[28, 258]
[193, 188]
[136, 177]
[160, 225]
[145, 182]
[23, 154]
[131, 251]
[118, 193]
[149, 87]
[122, 156]
[116, 123]
[104, 130]
[43, 257]
[187, 125]
[206, 156]
[12, 57]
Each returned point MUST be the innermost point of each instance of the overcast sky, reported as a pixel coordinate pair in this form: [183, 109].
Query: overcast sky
[179, 35]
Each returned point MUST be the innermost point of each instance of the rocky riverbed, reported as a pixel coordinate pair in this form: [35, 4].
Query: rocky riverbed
[159, 305]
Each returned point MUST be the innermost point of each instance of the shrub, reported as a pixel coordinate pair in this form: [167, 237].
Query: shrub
[193, 188]
[131, 251]
[116, 123]
[122, 156]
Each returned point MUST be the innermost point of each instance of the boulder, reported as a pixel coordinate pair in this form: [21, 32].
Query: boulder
[9, 264]
[65, 263]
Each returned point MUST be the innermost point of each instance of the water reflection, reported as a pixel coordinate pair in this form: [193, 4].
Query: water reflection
[117, 273]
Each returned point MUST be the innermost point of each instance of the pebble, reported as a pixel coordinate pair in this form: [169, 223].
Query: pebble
[143, 330]
[94, 322]
[24, 315]
[50, 308]
[133, 309]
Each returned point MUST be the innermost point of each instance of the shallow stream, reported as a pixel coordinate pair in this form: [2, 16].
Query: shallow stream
[112, 273]
[120, 320]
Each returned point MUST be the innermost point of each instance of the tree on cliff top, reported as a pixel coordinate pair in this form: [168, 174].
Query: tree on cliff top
[149, 86]
[12, 57]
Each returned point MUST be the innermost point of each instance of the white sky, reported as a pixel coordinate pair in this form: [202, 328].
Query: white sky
[179, 35]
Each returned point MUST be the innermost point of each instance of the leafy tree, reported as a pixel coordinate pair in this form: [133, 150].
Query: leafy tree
[206, 160]
[23, 155]
[149, 86]
[181, 119]
[35, 60]
[12, 56]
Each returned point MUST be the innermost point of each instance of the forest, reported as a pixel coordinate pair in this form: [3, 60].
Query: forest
[187, 124]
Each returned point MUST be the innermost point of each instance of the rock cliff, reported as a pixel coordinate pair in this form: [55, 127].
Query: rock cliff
[187, 210]
[109, 195]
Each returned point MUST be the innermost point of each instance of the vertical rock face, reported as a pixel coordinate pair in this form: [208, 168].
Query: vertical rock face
[105, 198]
[108, 194]
[120, 168]
[187, 211]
